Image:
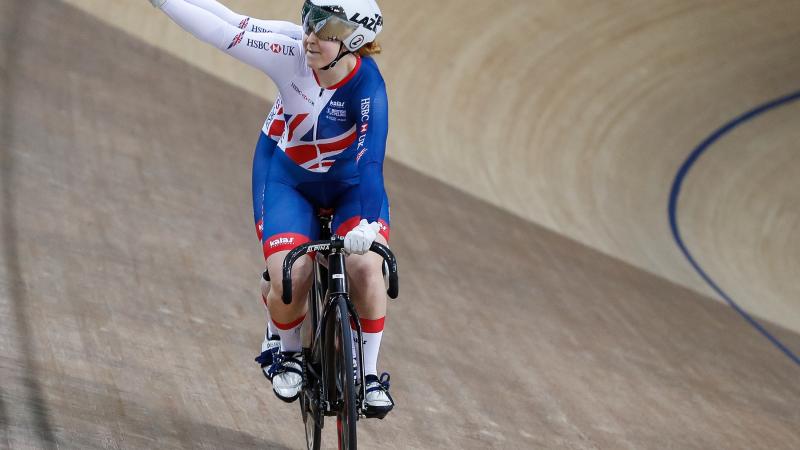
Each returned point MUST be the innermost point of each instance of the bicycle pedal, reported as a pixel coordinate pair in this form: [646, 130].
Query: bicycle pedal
[376, 414]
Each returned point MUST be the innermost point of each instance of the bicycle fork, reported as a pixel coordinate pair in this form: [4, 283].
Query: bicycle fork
[338, 286]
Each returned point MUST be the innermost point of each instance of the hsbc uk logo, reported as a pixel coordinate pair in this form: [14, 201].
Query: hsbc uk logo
[365, 109]
[360, 154]
[279, 49]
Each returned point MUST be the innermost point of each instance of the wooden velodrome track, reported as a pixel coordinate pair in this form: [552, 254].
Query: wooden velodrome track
[544, 302]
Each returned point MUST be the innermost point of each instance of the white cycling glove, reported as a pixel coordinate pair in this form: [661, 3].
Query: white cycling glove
[359, 239]
[158, 3]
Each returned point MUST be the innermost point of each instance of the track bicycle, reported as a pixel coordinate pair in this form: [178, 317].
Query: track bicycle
[333, 374]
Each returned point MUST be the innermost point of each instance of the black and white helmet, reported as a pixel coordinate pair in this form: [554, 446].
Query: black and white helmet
[353, 22]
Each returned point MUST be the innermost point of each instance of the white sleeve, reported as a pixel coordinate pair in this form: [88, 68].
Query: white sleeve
[289, 29]
[276, 55]
[219, 10]
[246, 23]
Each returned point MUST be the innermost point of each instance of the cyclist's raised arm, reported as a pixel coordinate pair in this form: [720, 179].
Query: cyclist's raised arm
[251, 24]
[372, 128]
[276, 55]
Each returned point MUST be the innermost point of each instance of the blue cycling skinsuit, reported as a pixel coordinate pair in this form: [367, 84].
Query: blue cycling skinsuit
[332, 140]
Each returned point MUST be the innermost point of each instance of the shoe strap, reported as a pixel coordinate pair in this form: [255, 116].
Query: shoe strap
[381, 383]
[281, 364]
[266, 358]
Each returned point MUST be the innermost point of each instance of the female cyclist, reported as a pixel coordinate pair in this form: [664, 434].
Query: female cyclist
[330, 155]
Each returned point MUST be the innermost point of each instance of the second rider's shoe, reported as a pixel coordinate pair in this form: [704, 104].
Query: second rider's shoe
[378, 402]
[287, 376]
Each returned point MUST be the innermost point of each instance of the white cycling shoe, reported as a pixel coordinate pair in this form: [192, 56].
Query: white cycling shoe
[378, 401]
[269, 351]
[287, 376]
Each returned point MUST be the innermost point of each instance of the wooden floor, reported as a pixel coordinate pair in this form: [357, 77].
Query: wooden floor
[578, 115]
[129, 309]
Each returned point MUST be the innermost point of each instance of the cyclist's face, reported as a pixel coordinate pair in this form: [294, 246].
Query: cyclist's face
[319, 53]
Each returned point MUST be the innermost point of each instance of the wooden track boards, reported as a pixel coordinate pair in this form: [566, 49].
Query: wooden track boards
[129, 300]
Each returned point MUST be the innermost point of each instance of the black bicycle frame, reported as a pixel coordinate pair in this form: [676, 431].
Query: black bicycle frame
[336, 285]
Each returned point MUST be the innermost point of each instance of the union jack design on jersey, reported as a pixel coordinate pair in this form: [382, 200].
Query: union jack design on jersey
[275, 123]
[318, 158]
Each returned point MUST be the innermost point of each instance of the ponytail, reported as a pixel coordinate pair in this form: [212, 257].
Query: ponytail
[372, 48]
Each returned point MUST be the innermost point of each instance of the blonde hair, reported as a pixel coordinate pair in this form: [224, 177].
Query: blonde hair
[373, 48]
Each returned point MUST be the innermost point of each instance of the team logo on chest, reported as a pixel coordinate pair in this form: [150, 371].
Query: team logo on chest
[336, 111]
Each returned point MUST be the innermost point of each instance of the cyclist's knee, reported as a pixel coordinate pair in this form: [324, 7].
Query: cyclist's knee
[365, 270]
[301, 276]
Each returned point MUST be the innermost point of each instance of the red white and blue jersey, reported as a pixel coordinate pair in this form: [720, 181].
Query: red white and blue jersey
[334, 133]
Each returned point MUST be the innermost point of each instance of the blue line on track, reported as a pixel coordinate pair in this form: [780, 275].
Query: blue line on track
[673, 207]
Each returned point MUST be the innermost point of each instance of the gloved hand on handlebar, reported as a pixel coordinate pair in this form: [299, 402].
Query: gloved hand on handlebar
[359, 239]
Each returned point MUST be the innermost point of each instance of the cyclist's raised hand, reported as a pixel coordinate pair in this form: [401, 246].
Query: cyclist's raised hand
[360, 238]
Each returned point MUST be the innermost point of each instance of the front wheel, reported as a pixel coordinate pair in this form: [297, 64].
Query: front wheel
[347, 414]
[309, 406]
[313, 420]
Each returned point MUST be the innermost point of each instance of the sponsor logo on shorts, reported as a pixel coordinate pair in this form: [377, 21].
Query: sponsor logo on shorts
[281, 241]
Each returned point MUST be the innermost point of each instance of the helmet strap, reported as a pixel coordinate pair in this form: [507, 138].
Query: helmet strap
[336, 60]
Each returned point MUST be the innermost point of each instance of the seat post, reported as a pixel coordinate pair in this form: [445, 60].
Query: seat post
[325, 219]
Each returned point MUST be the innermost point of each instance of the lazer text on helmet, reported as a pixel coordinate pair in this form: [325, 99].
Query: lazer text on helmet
[368, 22]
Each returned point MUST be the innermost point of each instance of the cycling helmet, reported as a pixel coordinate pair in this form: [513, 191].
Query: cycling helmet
[354, 23]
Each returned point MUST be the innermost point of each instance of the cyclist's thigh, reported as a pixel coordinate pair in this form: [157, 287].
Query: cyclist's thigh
[347, 213]
[289, 219]
[261, 159]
